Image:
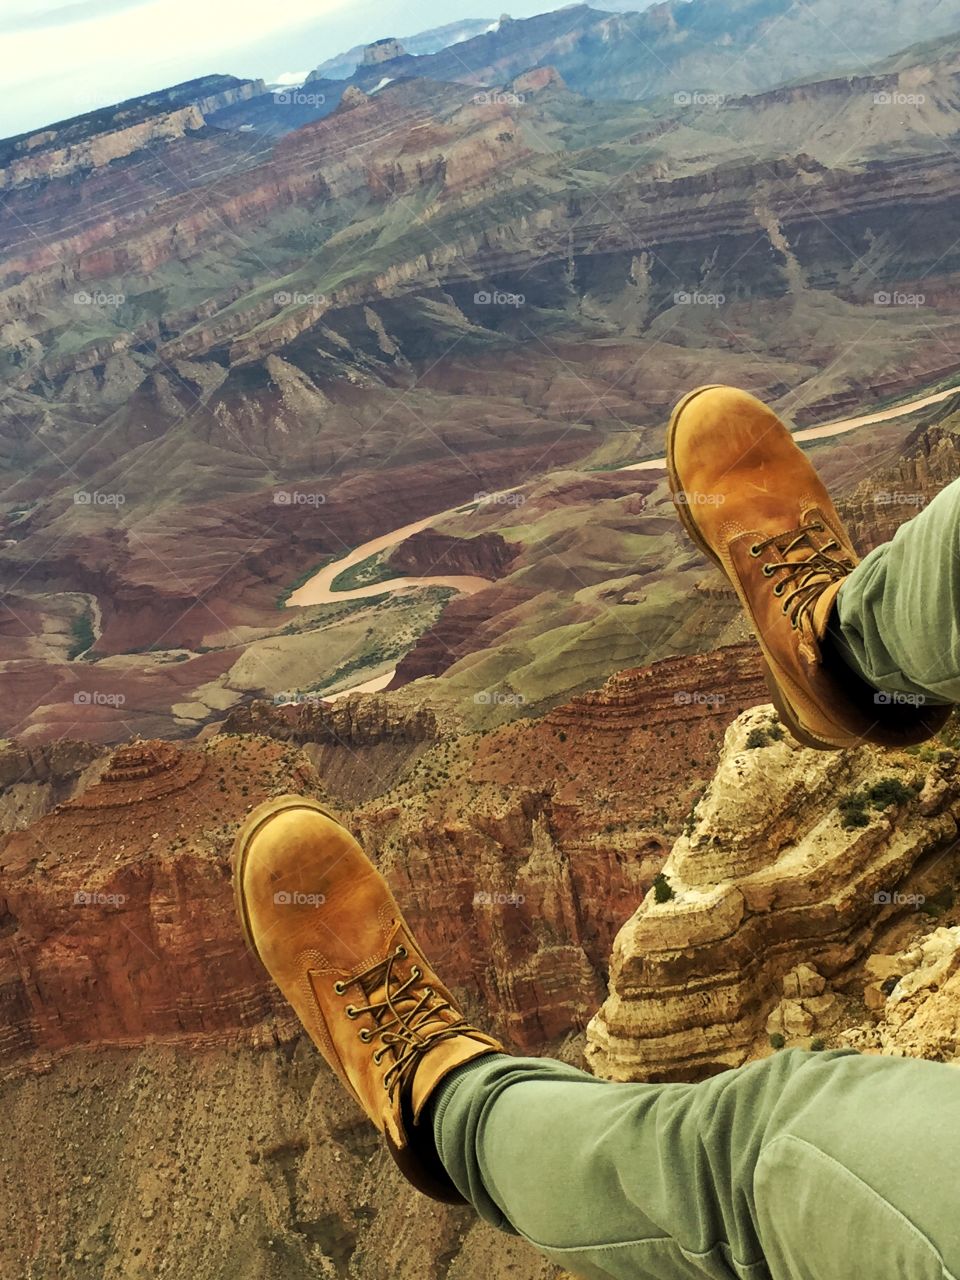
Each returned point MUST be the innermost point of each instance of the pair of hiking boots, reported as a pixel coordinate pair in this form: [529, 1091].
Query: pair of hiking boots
[323, 920]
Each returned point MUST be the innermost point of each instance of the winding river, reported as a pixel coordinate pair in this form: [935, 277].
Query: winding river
[318, 589]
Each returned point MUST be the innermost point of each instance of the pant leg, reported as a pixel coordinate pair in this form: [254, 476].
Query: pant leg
[897, 618]
[805, 1166]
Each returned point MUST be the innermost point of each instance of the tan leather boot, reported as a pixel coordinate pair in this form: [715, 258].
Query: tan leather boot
[751, 500]
[325, 925]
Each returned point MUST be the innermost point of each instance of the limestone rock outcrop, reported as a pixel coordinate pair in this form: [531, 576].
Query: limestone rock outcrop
[792, 857]
[382, 51]
[357, 720]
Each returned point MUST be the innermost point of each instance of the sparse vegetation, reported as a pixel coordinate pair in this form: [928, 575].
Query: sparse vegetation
[888, 791]
[662, 888]
[777, 1040]
[83, 637]
[373, 569]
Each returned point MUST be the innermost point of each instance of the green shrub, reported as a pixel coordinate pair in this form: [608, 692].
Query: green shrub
[662, 888]
[777, 1040]
[888, 791]
[757, 738]
[817, 1044]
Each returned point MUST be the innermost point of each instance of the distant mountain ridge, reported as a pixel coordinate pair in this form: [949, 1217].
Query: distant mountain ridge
[344, 64]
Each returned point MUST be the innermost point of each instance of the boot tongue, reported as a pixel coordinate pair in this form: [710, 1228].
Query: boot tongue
[823, 608]
[807, 575]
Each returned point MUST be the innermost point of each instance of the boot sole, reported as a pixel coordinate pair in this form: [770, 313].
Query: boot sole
[241, 845]
[785, 709]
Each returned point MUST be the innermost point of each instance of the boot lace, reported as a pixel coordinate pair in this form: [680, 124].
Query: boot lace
[407, 1022]
[807, 575]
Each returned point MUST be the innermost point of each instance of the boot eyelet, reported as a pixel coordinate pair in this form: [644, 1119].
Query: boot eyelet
[778, 589]
[415, 972]
[400, 952]
[350, 1011]
[755, 551]
[340, 988]
[365, 1035]
[377, 1056]
[767, 570]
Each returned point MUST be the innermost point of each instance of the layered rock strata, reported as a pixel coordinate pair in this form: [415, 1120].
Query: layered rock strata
[791, 856]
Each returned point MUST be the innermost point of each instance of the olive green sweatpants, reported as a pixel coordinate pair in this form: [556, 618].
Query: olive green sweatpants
[805, 1166]
[897, 618]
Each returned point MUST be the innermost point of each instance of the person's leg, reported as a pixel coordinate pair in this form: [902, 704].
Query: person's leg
[805, 1166]
[896, 620]
[751, 500]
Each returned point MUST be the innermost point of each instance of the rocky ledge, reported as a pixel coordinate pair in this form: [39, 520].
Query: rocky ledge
[792, 858]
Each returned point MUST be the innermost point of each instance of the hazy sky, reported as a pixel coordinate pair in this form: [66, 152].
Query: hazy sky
[63, 57]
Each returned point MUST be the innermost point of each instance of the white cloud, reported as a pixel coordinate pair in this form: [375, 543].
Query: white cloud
[116, 53]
